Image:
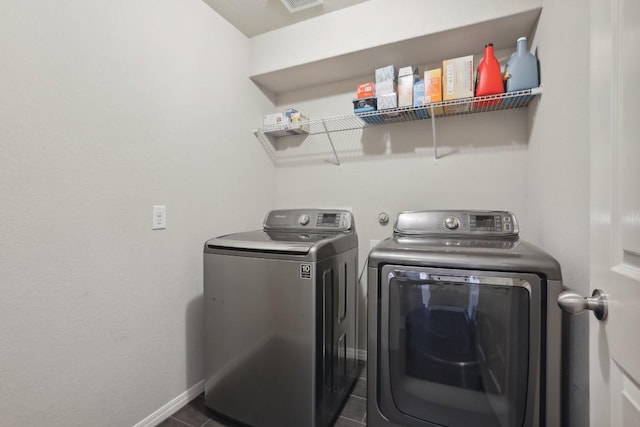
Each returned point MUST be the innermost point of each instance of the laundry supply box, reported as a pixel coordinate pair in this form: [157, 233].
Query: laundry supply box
[275, 119]
[406, 78]
[367, 105]
[385, 73]
[457, 82]
[419, 99]
[289, 122]
[433, 89]
[366, 90]
[386, 87]
[387, 101]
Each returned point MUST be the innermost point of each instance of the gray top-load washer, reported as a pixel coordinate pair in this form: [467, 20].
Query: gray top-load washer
[280, 319]
[463, 325]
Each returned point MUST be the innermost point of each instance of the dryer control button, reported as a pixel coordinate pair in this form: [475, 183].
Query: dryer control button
[304, 219]
[451, 222]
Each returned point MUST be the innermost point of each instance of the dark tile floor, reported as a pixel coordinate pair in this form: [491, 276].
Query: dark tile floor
[353, 414]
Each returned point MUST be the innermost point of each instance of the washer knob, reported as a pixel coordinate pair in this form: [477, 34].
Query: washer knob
[451, 222]
[304, 219]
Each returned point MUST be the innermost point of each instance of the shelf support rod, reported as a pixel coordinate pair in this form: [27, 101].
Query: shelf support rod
[433, 134]
[324, 124]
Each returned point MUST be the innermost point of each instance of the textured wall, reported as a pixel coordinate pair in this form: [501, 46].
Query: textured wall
[106, 109]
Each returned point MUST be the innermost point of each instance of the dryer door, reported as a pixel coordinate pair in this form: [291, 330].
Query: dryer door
[459, 348]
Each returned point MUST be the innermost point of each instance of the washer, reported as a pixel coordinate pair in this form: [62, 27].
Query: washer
[280, 319]
[463, 325]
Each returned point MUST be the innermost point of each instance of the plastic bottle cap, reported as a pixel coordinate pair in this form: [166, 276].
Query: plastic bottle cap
[488, 44]
[522, 38]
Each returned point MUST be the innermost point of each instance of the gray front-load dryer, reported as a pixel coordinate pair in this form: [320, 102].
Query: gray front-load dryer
[463, 325]
[280, 319]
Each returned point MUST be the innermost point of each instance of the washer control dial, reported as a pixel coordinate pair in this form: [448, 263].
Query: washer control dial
[451, 222]
[304, 219]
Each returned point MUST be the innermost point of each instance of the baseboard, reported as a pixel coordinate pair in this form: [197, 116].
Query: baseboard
[170, 408]
[178, 402]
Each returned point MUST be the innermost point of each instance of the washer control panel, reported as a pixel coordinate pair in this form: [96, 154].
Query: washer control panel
[309, 219]
[457, 222]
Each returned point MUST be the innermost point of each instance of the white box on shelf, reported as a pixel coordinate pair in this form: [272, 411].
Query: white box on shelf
[297, 127]
[386, 101]
[385, 73]
[386, 87]
[276, 119]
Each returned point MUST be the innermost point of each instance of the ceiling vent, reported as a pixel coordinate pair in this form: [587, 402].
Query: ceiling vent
[297, 5]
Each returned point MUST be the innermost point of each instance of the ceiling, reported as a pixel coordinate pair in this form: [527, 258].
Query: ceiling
[255, 17]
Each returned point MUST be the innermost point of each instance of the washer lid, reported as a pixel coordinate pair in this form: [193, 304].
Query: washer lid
[318, 233]
[267, 241]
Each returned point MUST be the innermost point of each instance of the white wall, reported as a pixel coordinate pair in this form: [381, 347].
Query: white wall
[106, 109]
[558, 177]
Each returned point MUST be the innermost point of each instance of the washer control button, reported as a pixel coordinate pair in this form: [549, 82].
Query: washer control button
[507, 226]
[303, 219]
[451, 222]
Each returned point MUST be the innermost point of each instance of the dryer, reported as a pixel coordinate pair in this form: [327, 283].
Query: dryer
[463, 325]
[280, 319]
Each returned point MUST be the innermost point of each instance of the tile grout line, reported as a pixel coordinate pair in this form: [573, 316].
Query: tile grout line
[180, 421]
[350, 419]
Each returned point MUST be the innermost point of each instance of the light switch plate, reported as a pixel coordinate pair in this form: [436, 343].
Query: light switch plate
[159, 220]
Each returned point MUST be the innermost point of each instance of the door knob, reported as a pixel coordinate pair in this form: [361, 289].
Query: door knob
[574, 303]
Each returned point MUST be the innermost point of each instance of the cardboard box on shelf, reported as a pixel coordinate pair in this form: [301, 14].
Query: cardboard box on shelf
[365, 105]
[297, 127]
[388, 100]
[366, 90]
[406, 78]
[457, 83]
[292, 112]
[457, 79]
[419, 98]
[386, 87]
[296, 117]
[418, 93]
[433, 89]
[368, 105]
[385, 73]
[275, 119]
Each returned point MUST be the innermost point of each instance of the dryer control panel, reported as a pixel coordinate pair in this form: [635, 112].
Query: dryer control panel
[309, 219]
[456, 222]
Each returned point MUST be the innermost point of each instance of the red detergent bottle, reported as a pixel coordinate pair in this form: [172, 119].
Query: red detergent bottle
[489, 79]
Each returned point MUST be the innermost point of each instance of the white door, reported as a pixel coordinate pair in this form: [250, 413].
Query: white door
[615, 212]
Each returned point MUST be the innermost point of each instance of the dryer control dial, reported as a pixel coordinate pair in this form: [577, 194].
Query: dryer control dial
[451, 222]
[304, 219]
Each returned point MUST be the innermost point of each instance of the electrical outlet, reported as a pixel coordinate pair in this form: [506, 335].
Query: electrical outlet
[159, 217]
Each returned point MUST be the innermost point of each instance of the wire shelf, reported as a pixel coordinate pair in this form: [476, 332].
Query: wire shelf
[269, 136]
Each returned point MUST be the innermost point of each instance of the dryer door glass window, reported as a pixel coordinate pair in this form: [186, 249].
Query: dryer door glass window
[459, 348]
